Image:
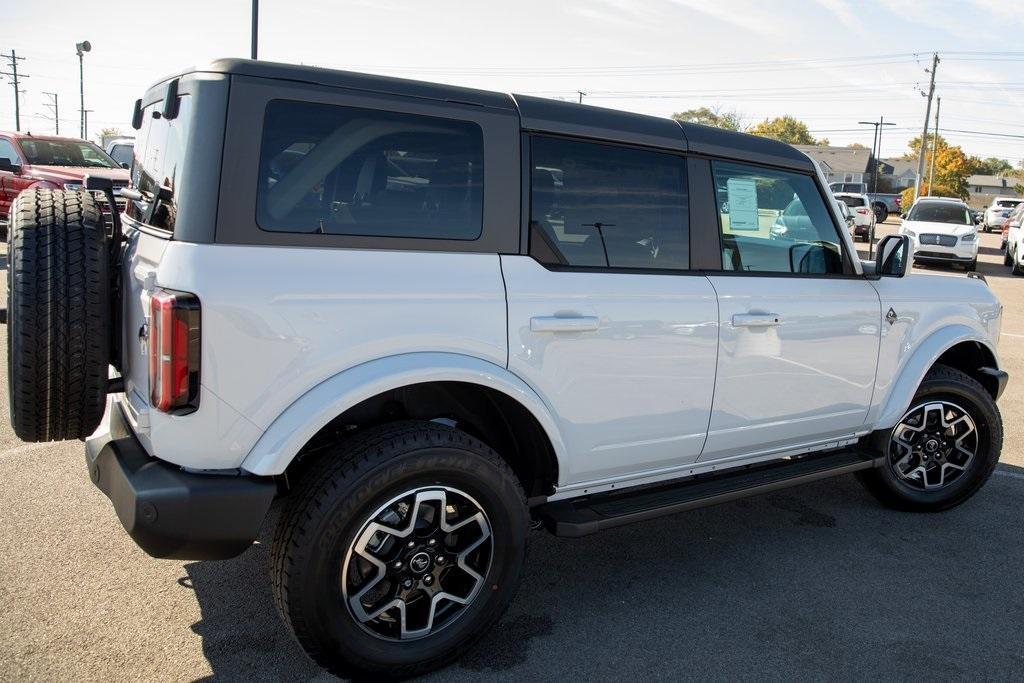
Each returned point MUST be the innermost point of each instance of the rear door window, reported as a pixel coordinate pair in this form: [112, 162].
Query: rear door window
[853, 201]
[338, 170]
[605, 206]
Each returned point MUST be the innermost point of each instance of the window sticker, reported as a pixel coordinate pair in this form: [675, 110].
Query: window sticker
[742, 194]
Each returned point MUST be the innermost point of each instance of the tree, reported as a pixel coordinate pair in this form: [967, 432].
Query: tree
[109, 133]
[952, 168]
[786, 129]
[1019, 188]
[856, 145]
[991, 166]
[718, 118]
[915, 145]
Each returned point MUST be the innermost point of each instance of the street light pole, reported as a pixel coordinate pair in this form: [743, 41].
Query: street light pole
[255, 25]
[81, 48]
[876, 147]
[935, 145]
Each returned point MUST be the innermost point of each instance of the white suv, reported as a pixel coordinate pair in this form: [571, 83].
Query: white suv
[942, 232]
[421, 315]
[1000, 208]
[863, 214]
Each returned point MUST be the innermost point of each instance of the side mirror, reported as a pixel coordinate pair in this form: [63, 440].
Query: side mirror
[9, 166]
[893, 257]
[903, 216]
[124, 164]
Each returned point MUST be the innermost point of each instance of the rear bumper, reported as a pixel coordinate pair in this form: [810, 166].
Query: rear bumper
[171, 513]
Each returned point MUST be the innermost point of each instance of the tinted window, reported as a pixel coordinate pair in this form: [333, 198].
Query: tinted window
[345, 171]
[1008, 203]
[606, 206]
[940, 212]
[853, 201]
[42, 152]
[775, 222]
[7, 152]
[159, 159]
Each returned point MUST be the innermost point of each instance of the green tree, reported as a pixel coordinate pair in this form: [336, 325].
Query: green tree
[706, 116]
[991, 166]
[952, 168]
[786, 129]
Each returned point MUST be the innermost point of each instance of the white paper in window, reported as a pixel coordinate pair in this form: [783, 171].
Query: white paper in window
[742, 194]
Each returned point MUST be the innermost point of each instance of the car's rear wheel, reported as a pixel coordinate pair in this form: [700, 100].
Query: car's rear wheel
[398, 549]
[58, 315]
[943, 449]
[881, 212]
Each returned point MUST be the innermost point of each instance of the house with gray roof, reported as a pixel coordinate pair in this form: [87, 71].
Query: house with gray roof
[841, 164]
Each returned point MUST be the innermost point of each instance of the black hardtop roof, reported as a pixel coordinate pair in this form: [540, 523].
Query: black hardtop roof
[540, 114]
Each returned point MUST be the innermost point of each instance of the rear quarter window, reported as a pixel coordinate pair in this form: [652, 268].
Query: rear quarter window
[159, 156]
[339, 170]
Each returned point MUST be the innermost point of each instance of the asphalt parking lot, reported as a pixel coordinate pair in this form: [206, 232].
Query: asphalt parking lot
[811, 583]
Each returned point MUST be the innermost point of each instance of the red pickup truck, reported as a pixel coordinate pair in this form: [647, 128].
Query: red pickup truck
[45, 161]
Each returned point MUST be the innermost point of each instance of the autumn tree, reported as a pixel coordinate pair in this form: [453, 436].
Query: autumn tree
[716, 117]
[786, 129]
[915, 145]
[991, 166]
[856, 145]
[952, 168]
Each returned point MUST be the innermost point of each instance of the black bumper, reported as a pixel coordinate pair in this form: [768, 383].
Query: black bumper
[171, 513]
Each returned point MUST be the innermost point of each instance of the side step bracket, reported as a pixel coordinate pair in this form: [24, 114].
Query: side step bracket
[583, 516]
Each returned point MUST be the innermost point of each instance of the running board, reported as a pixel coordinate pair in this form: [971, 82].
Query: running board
[590, 514]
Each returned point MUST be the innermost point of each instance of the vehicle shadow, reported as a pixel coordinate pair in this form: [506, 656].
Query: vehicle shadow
[811, 582]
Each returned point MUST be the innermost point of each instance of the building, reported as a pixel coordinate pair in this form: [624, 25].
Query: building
[841, 164]
[896, 174]
[984, 188]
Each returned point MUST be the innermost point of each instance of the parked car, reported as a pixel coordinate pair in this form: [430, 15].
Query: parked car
[942, 232]
[360, 304]
[121, 150]
[882, 203]
[1000, 208]
[863, 215]
[847, 216]
[1013, 241]
[47, 162]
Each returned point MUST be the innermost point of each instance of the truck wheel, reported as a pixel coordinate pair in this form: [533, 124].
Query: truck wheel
[943, 449]
[881, 212]
[398, 549]
[1007, 259]
[58, 303]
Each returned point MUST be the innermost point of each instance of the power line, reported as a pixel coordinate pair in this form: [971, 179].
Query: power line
[52, 105]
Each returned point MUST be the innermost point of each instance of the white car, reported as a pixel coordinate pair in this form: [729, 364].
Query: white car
[863, 215]
[420, 316]
[121, 151]
[1014, 255]
[942, 232]
[998, 210]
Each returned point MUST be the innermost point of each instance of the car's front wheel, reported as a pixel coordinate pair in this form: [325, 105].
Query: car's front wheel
[398, 549]
[943, 449]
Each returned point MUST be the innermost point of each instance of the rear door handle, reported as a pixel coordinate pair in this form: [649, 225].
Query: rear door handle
[756, 320]
[555, 324]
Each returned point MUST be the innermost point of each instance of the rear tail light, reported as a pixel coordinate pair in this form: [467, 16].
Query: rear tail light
[862, 212]
[174, 323]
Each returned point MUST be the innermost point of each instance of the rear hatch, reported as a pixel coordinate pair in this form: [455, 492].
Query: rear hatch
[149, 221]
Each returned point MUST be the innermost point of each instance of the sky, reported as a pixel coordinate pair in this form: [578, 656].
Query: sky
[830, 63]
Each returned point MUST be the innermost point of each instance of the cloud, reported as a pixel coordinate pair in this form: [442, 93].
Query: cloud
[843, 11]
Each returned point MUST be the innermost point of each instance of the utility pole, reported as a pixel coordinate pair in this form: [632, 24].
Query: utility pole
[13, 73]
[85, 123]
[582, 95]
[80, 49]
[935, 144]
[924, 134]
[255, 26]
[52, 105]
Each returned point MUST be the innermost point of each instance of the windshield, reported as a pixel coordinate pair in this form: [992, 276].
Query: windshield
[941, 212]
[40, 152]
[853, 201]
[1008, 203]
[122, 153]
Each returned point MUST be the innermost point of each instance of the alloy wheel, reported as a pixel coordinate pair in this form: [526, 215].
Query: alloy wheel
[933, 445]
[417, 563]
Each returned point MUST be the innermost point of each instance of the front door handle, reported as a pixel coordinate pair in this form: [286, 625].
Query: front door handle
[756, 320]
[587, 323]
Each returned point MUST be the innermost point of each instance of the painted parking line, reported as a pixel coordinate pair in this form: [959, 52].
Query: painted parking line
[1011, 334]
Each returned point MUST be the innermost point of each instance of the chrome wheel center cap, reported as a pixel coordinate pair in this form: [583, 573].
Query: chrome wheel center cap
[419, 562]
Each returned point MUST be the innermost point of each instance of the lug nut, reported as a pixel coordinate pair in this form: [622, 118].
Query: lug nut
[407, 583]
[427, 580]
[432, 541]
[440, 559]
[397, 566]
[411, 544]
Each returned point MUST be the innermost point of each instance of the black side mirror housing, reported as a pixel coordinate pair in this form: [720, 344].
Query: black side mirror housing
[9, 166]
[893, 257]
[903, 216]
[137, 115]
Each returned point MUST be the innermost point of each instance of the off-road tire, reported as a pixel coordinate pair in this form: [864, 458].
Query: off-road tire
[328, 508]
[943, 382]
[58, 315]
[1007, 258]
[881, 212]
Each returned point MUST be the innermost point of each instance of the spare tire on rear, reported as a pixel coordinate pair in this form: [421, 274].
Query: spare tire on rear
[58, 315]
